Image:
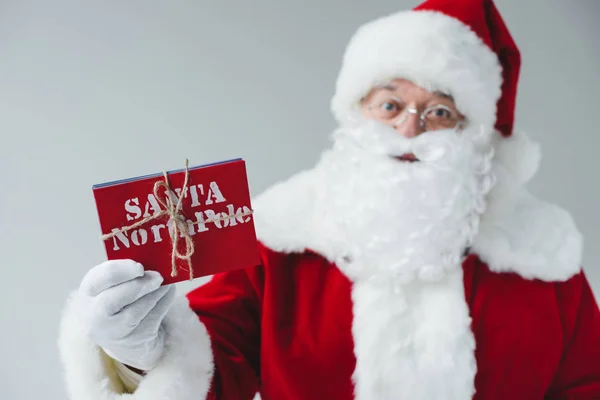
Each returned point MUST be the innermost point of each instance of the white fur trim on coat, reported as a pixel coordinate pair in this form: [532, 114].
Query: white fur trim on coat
[518, 233]
[413, 342]
[433, 50]
[519, 154]
[522, 234]
[184, 372]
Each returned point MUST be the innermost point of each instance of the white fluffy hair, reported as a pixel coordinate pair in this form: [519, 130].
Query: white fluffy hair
[396, 221]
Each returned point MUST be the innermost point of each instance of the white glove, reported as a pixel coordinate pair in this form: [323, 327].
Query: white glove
[122, 307]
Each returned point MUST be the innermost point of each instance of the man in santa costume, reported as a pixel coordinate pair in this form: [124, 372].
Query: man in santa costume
[409, 263]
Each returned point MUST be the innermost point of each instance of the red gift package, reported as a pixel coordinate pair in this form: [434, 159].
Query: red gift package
[184, 224]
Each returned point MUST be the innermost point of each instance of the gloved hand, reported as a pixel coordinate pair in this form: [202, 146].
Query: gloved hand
[122, 307]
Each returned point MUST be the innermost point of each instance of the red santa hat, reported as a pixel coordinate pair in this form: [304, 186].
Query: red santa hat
[459, 47]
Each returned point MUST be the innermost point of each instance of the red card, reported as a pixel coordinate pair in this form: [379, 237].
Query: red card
[217, 212]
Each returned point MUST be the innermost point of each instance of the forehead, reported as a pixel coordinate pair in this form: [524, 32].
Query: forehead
[408, 89]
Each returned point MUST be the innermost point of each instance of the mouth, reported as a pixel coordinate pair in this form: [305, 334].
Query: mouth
[408, 157]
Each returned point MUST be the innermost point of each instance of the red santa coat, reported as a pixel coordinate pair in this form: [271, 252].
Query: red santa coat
[285, 329]
[516, 321]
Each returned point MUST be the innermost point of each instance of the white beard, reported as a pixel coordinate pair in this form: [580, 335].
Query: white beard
[393, 221]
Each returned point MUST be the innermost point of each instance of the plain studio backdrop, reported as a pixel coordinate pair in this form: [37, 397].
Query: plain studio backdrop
[97, 91]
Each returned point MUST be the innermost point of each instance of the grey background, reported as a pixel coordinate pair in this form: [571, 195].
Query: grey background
[96, 91]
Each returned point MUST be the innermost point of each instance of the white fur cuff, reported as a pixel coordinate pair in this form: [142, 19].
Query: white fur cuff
[184, 372]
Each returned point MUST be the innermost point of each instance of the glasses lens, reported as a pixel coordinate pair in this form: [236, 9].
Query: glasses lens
[384, 106]
[440, 117]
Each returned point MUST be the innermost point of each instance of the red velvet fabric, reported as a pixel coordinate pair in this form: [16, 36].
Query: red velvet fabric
[284, 329]
[483, 18]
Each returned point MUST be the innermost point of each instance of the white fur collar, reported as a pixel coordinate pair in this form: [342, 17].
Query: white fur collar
[518, 233]
[522, 234]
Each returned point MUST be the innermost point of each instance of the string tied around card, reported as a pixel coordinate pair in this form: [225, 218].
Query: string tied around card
[173, 210]
[171, 205]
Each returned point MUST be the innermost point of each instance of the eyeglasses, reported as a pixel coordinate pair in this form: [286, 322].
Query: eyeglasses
[392, 108]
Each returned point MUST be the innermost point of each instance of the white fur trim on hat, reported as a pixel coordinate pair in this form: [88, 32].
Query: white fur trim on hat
[434, 51]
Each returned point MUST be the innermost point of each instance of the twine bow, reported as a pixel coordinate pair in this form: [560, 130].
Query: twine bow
[180, 226]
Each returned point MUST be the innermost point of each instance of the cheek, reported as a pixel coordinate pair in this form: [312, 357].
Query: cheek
[372, 116]
[365, 112]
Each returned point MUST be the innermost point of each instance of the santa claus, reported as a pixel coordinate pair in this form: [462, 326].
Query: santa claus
[409, 263]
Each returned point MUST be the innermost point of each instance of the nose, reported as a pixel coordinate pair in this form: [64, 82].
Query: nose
[410, 127]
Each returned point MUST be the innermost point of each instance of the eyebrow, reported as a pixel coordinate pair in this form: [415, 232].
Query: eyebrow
[442, 94]
[387, 86]
[391, 87]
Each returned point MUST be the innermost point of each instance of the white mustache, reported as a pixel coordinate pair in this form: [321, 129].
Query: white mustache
[381, 139]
